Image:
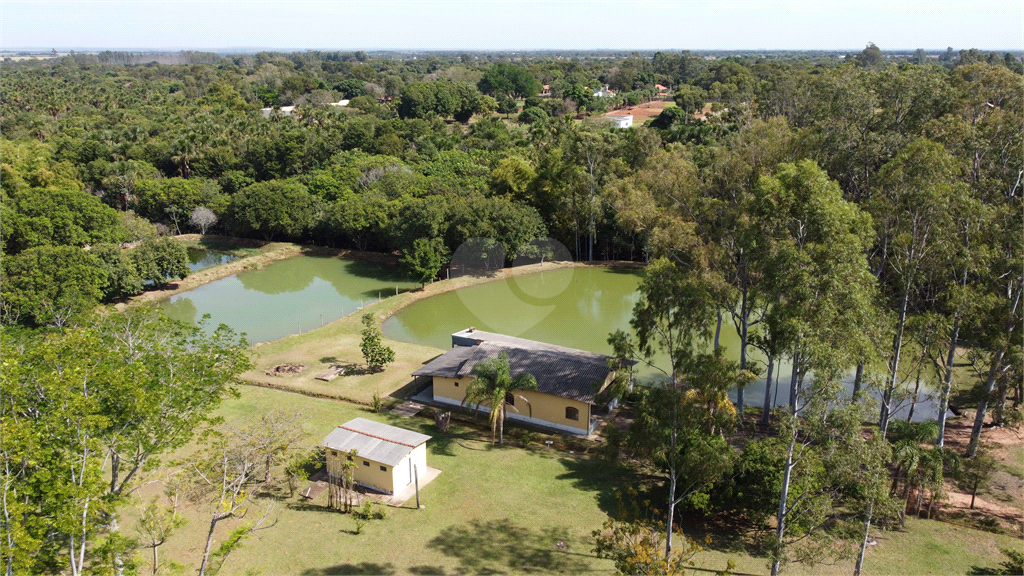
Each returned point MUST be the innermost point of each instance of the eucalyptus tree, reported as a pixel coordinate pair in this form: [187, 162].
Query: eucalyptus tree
[911, 210]
[680, 424]
[733, 230]
[592, 150]
[999, 311]
[821, 292]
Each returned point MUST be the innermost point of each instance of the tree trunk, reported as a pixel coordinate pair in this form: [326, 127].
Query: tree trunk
[974, 493]
[793, 392]
[858, 380]
[994, 369]
[947, 384]
[501, 426]
[999, 412]
[115, 467]
[744, 321]
[671, 516]
[718, 326]
[897, 348]
[209, 544]
[913, 399]
[864, 542]
[156, 561]
[906, 500]
[979, 418]
[767, 393]
[780, 529]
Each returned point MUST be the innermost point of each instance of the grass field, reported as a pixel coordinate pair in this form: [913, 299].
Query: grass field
[499, 510]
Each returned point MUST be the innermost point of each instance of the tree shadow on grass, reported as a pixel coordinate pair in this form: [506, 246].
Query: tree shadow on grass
[427, 570]
[727, 532]
[358, 568]
[503, 546]
[594, 474]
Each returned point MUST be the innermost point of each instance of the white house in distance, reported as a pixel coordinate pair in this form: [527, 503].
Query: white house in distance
[624, 121]
[387, 459]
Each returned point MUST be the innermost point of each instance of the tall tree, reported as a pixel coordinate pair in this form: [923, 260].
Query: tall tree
[911, 211]
[679, 429]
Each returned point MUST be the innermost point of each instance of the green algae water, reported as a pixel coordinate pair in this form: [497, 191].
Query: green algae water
[578, 308]
[574, 307]
[199, 258]
[286, 297]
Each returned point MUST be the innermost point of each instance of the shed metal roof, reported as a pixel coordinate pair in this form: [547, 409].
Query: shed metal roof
[374, 441]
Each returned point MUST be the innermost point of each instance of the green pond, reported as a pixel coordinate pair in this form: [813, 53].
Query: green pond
[286, 297]
[199, 258]
[574, 307]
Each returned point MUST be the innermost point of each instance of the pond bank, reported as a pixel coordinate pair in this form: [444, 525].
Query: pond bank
[265, 253]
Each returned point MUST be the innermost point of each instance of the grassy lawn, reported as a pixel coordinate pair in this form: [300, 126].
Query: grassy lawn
[499, 510]
[491, 510]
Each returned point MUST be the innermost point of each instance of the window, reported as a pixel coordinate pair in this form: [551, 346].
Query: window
[334, 452]
[365, 463]
[572, 413]
[510, 399]
[349, 458]
[383, 468]
[456, 384]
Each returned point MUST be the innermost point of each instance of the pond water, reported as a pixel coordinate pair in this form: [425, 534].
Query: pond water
[574, 307]
[198, 258]
[286, 297]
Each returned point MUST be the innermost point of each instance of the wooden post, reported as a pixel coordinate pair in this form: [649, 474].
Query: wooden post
[416, 475]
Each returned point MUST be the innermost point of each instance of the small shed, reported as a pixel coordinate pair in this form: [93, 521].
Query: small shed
[621, 121]
[385, 454]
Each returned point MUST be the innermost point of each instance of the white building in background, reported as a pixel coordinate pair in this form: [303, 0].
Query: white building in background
[624, 121]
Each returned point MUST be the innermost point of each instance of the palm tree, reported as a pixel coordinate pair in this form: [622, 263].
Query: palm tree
[494, 386]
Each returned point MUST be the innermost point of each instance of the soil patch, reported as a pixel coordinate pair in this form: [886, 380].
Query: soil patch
[1003, 500]
[285, 370]
[642, 112]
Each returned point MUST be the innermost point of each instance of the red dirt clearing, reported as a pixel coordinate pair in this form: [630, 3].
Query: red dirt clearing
[643, 112]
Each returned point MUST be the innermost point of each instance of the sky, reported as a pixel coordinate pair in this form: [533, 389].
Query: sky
[508, 25]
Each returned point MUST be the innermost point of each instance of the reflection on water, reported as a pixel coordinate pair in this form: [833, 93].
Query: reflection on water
[574, 307]
[286, 297]
[199, 258]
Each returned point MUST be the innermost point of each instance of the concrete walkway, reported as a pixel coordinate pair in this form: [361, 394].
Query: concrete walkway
[408, 408]
[409, 493]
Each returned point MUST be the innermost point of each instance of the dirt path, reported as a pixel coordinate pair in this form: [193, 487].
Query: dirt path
[1003, 499]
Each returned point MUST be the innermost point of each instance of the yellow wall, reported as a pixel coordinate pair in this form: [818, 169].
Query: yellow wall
[545, 406]
[371, 474]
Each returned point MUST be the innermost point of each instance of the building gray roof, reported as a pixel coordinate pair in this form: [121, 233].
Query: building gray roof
[374, 441]
[560, 371]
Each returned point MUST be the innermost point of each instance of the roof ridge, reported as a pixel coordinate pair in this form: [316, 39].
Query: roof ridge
[343, 427]
[551, 350]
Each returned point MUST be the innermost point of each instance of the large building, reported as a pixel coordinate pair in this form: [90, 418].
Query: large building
[387, 458]
[568, 380]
